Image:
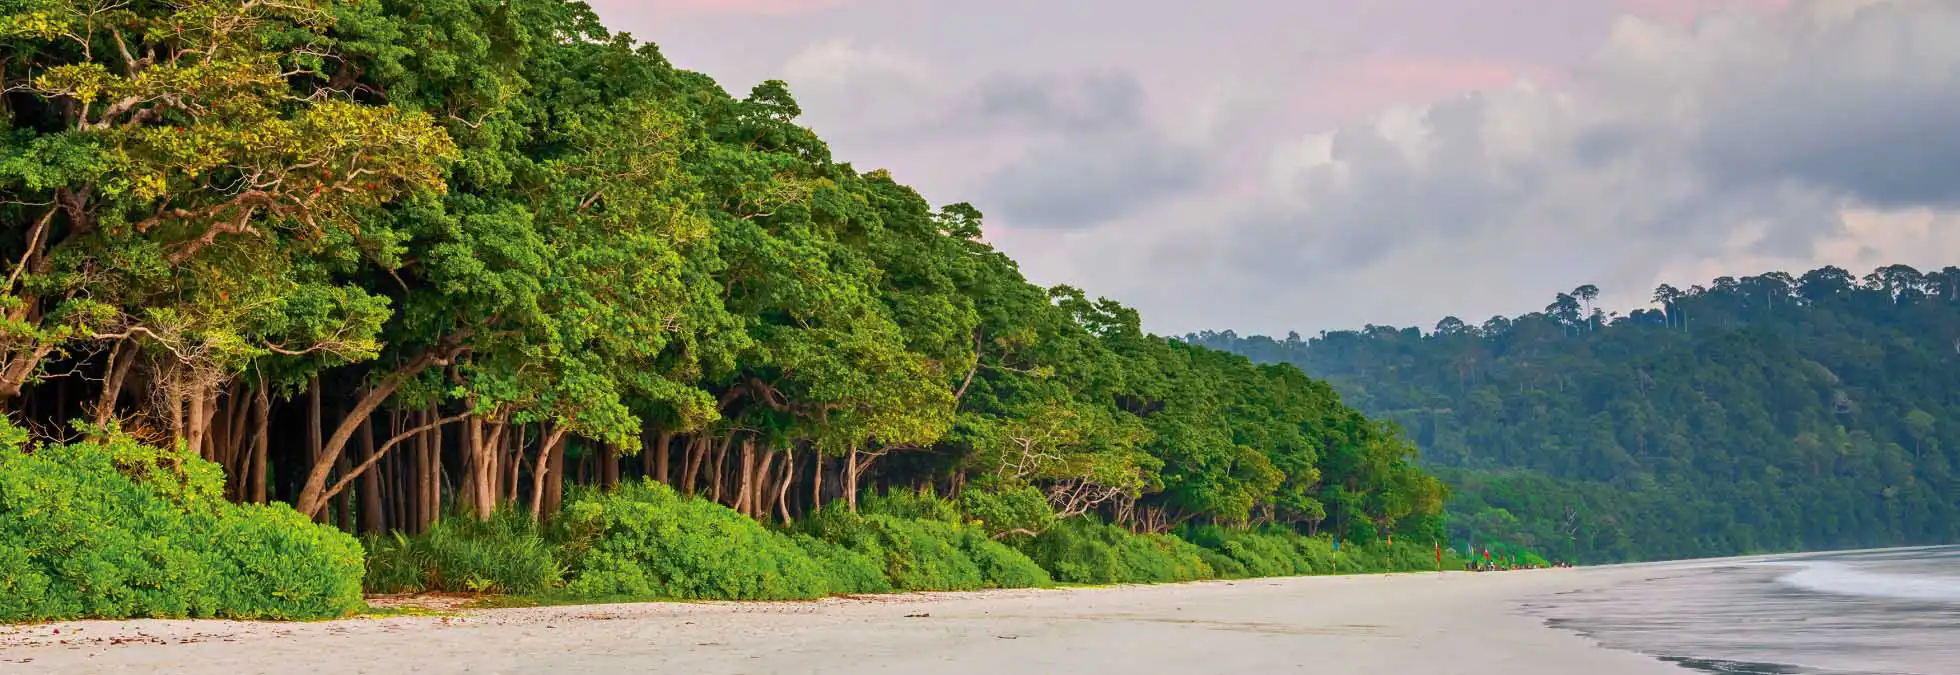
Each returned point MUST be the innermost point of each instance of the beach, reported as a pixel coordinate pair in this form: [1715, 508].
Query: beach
[1438, 623]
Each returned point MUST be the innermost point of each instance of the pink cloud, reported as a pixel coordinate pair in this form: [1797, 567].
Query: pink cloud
[1684, 11]
[1361, 88]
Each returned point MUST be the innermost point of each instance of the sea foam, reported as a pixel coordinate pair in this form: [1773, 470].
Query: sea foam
[1841, 579]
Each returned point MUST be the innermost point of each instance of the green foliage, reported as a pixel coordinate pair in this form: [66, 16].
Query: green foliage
[927, 554]
[907, 504]
[117, 529]
[846, 571]
[1259, 554]
[643, 540]
[1757, 414]
[505, 554]
[1019, 510]
[1000, 565]
[1263, 553]
[1084, 551]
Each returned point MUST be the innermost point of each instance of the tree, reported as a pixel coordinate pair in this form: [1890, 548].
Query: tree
[1802, 413]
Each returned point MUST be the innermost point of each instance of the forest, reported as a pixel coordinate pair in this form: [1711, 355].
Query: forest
[1767, 413]
[307, 299]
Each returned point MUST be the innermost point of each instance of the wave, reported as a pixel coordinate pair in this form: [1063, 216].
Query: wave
[1840, 579]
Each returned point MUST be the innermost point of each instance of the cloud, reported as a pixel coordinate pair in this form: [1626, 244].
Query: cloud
[1323, 164]
[1866, 105]
[1070, 150]
[1740, 137]
[1685, 11]
[1081, 103]
[1093, 178]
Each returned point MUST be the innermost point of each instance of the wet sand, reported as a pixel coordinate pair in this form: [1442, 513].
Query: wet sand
[1436, 624]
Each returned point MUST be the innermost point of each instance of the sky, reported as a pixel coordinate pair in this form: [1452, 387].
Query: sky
[1308, 165]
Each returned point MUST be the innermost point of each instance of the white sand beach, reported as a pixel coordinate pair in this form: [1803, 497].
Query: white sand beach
[1436, 624]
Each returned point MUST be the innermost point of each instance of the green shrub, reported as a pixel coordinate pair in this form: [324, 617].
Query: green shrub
[1000, 565]
[505, 554]
[1263, 554]
[926, 554]
[845, 571]
[1085, 551]
[1223, 566]
[643, 540]
[911, 504]
[1279, 552]
[117, 529]
[1022, 509]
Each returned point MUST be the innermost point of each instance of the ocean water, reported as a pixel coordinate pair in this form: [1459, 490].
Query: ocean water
[1877, 612]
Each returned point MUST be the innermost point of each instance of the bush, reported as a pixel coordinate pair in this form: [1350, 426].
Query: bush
[1000, 565]
[505, 554]
[117, 529]
[642, 540]
[1085, 551]
[909, 504]
[1265, 553]
[924, 555]
[1259, 552]
[845, 571]
[1022, 509]
[927, 554]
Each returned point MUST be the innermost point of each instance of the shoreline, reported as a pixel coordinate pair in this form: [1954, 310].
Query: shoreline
[1429, 622]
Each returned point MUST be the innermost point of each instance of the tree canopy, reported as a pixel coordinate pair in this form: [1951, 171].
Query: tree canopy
[1764, 413]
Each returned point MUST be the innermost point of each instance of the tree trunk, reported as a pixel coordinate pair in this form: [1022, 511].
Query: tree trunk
[309, 501]
[344, 467]
[370, 483]
[608, 467]
[261, 444]
[240, 412]
[512, 457]
[662, 442]
[197, 419]
[646, 453]
[782, 492]
[851, 480]
[763, 491]
[312, 504]
[472, 462]
[544, 468]
[745, 473]
[697, 448]
[816, 483]
[432, 511]
[121, 359]
[554, 491]
[715, 469]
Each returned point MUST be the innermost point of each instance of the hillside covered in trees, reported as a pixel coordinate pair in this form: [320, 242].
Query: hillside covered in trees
[388, 261]
[1765, 413]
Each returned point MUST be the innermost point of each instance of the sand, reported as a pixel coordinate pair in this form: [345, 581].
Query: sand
[1435, 624]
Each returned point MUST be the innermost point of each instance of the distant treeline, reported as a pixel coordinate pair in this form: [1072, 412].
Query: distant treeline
[1772, 412]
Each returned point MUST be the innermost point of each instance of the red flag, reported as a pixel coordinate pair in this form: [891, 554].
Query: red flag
[1439, 554]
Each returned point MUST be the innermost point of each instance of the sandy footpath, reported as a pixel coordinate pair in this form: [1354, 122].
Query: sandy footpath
[1435, 624]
